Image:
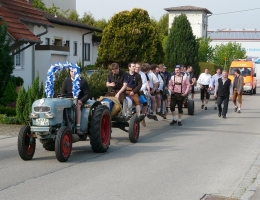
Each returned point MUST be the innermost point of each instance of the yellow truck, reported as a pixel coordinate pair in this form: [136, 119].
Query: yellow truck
[247, 70]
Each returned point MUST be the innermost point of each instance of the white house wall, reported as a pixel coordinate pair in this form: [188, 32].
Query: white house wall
[197, 20]
[73, 35]
[25, 70]
[44, 58]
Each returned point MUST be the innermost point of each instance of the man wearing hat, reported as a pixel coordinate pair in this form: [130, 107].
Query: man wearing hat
[179, 67]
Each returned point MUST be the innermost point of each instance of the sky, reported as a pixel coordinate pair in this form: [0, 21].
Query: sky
[240, 20]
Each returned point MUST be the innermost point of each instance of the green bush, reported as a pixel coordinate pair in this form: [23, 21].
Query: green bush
[9, 95]
[7, 111]
[97, 82]
[212, 68]
[19, 81]
[20, 104]
[25, 99]
[8, 120]
[59, 78]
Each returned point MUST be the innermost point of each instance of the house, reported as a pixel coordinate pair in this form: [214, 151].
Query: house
[62, 4]
[197, 16]
[40, 39]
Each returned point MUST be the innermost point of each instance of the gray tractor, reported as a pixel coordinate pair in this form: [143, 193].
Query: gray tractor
[53, 122]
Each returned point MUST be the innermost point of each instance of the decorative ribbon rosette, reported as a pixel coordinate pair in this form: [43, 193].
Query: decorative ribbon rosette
[49, 84]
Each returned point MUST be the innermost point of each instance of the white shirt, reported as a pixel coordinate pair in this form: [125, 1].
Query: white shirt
[161, 83]
[144, 81]
[204, 79]
[153, 79]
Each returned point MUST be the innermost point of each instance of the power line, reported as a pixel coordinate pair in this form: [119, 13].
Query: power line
[236, 11]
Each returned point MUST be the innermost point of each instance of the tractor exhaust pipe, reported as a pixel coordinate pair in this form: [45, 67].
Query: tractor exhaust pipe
[75, 138]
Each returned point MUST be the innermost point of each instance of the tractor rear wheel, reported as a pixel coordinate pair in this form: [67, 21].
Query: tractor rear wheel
[26, 143]
[190, 107]
[134, 129]
[63, 144]
[100, 129]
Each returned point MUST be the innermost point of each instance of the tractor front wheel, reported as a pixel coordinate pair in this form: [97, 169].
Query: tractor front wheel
[100, 129]
[63, 144]
[26, 143]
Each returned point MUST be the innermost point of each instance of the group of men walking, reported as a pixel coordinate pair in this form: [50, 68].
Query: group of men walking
[223, 89]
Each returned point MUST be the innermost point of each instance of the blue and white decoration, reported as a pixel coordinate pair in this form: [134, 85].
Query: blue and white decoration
[49, 84]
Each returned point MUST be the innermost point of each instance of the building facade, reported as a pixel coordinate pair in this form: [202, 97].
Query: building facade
[249, 40]
[198, 18]
[62, 4]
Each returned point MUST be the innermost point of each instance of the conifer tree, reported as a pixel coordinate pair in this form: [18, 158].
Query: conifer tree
[182, 46]
[20, 105]
[6, 59]
[41, 91]
[28, 105]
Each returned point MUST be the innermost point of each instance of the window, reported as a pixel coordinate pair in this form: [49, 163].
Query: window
[47, 41]
[86, 51]
[75, 50]
[67, 43]
[17, 60]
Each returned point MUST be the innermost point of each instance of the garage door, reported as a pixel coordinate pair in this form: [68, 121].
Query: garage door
[58, 58]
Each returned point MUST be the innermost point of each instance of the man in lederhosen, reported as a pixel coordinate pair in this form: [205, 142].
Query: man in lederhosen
[223, 91]
[179, 86]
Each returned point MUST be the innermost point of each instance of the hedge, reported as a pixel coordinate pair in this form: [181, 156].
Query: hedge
[7, 111]
[212, 68]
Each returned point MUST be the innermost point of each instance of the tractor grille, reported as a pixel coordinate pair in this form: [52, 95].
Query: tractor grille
[42, 109]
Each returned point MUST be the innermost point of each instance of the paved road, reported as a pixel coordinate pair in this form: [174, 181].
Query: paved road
[207, 155]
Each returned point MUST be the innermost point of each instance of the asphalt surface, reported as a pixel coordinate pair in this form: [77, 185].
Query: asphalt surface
[207, 156]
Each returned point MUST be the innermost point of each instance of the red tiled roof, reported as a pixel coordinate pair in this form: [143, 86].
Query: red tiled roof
[17, 13]
[187, 8]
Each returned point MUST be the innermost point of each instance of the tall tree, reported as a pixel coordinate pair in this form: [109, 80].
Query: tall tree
[130, 36]
[163, 26]
[224, 54]
[39, 5]
[73, 15]
[6, 60]
[205, 52]
[88, 19]
[181, 46]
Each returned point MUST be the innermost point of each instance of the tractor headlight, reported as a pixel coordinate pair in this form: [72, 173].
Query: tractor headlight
[49, 115]
[34, 115]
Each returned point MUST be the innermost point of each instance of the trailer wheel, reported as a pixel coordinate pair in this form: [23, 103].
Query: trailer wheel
[190, 107]
[134, 129]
